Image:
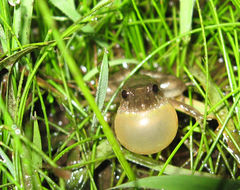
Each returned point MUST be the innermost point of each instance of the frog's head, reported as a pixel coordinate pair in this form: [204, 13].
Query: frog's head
[140, 93]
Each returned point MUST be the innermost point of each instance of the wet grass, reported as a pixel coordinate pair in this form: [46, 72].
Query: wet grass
[57, 55]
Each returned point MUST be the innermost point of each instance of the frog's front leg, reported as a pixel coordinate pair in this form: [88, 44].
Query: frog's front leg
[187, 109]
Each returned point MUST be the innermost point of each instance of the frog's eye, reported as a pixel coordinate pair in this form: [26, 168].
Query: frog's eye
[155, 88]
[124, 94]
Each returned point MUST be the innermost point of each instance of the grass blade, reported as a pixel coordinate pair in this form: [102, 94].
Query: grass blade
[186, 11]
[182, 183]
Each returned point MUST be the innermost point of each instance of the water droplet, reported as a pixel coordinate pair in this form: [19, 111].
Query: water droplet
[234, 130]
[155, 65]
[92, 82]
[106, 118]
[220, 60]
[83, 68]
[99, 51]
[113, 106]
[17, 131]
[60, 123]
[125, 65]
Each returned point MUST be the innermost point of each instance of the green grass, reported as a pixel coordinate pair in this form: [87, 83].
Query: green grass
[53, 131]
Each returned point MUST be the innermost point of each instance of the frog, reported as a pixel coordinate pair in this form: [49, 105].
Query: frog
[146, 120]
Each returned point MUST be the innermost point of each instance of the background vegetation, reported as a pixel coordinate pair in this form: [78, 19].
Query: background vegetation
[53, 131]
